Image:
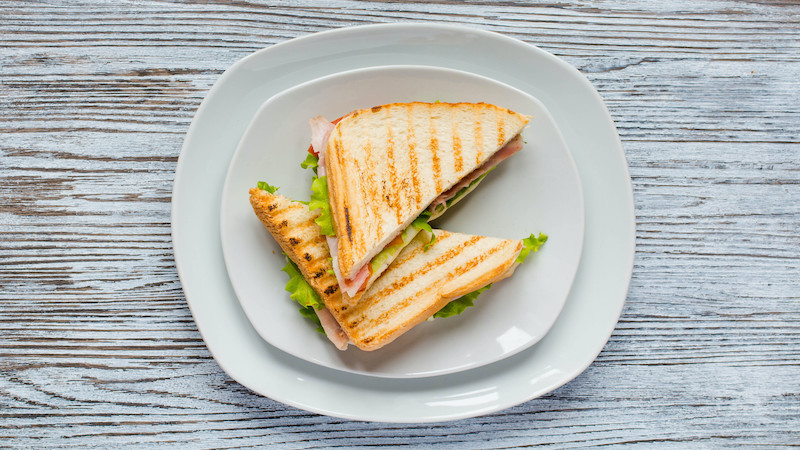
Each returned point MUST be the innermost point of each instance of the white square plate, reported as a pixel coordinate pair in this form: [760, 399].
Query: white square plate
[598, 292]
[537, 189]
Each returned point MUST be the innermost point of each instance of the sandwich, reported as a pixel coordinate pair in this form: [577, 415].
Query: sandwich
[438, 282]
[384, 172]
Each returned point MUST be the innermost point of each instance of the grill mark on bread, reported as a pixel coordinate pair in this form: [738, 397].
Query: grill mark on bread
[312, 242]
[331, 289]
[303, 228]
[412, 155]
[327, 291]
[472, 263]
[458, 159]
[393, 173]
[435, 156]
[307, 228]
[501, 129]
[347, 224]
[458, 156]
[375, 192]
[478, 135]
[279, 216]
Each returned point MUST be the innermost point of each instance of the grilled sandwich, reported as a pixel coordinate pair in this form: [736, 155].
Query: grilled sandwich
[390, 169]
[417, 285]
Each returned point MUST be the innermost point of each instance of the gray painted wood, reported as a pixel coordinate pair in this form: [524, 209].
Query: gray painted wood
[97, 345]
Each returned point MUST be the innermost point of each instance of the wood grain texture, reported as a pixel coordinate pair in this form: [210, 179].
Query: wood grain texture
[97, 345]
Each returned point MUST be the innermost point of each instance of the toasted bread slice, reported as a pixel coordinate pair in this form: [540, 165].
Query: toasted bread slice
[419, 283]
[414, 287]
[386, 164]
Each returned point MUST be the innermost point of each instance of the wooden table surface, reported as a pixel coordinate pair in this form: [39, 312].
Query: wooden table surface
[97, 344]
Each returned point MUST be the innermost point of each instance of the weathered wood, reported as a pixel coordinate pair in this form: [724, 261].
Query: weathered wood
[97, 345]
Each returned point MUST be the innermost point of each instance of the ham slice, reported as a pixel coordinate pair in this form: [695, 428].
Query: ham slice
[513, 146]
[320, 132]
[332, 329]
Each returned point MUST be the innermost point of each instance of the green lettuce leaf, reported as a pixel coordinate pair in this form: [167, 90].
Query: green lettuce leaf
[309, 313]
[319, 200]
[299, 289]
[301, 292]
[264, 186]
[381, 257]
[530, 244]
[311, 162]
[458, 305]
[421, 223]
[390, 250]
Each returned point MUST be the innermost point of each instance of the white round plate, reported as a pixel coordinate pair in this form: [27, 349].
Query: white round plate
[536, 190]
[595, 300]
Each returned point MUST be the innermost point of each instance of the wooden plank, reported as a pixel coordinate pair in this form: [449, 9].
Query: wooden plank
[98, 348]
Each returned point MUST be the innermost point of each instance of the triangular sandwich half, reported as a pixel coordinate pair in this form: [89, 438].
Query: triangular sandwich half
[389, 166]
[416, 285]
